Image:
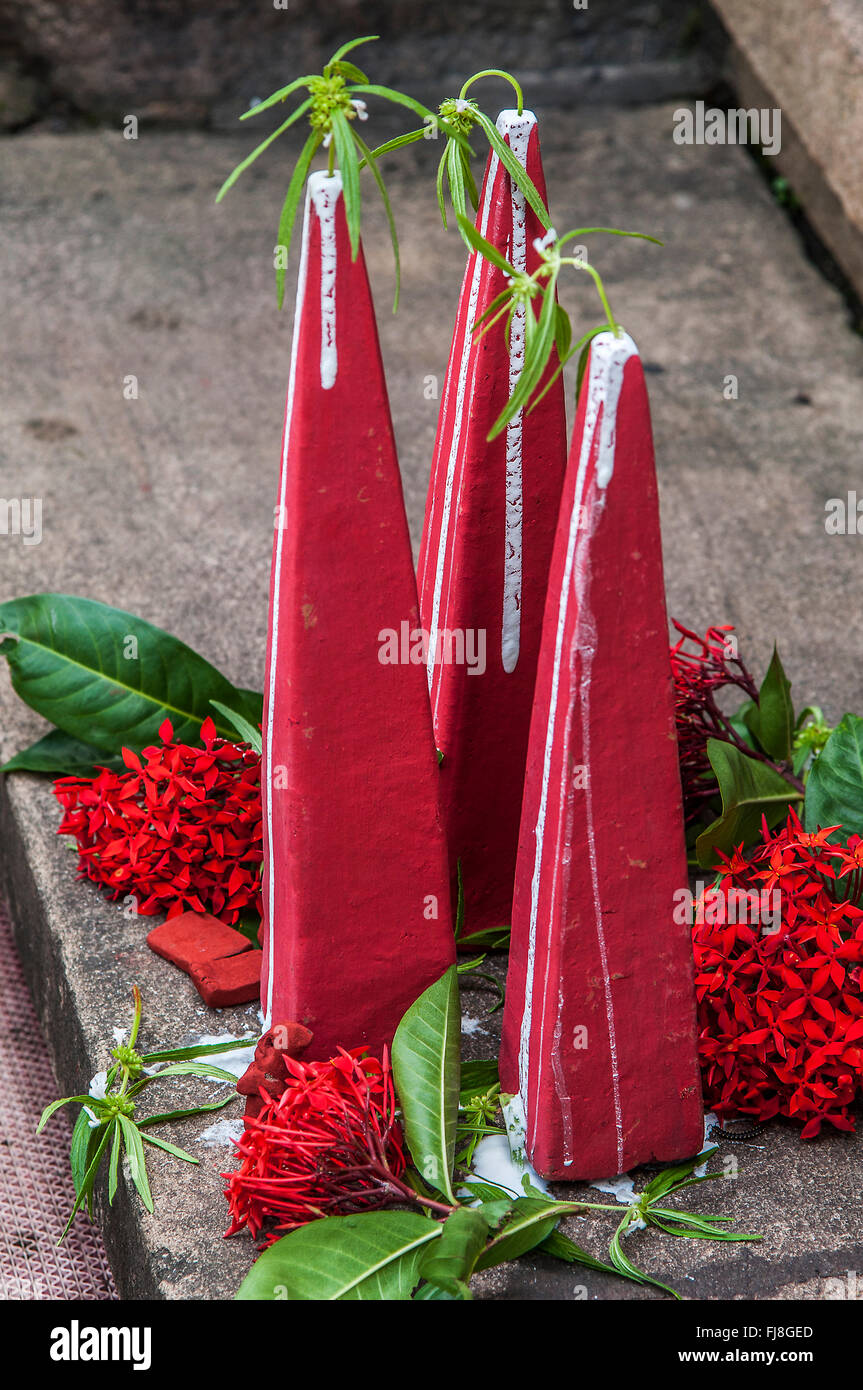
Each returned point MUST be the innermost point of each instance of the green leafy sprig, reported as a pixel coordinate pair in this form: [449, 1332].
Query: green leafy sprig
[334, 104]
[465, 1225]
[550, 329]
[108, 1124]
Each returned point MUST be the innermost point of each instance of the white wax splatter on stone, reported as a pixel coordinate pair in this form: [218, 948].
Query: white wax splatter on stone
[234, 1062]
[220, 1134]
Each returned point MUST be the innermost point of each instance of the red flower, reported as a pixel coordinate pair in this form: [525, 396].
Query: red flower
[329, 1145]
[700, 667]
[779, 999]
[181, 831]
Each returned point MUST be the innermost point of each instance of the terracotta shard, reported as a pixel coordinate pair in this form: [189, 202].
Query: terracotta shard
[599, 1028]
[194, 938]
[355, 872]
[232, 980]
[486, 547]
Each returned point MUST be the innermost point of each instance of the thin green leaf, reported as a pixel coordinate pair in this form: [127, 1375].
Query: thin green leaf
[400, 98]
[562, 1248]
[137, 1162]
[289, 207]
[477, 1079]
[350, 71]
[188, 1054]
[86, 1191]
[624, 1265]
[276, 97]
[169, 1148]
[477, 242]
[409, 138]
[114, 1163]
[350, 46]
[516, 171]
[204, 1069]
[346, 156]
[425, 1057]
[369, 159]
[85, 1139]
[167, 1115]
[441, 172]
[265, 144]
[49, 1110]
[248, 733]
[533, 1220]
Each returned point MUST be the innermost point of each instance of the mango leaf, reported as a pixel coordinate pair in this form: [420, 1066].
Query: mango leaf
[834, 787]
[374, 1255]
[772, 719]
[750, 789]
[426, 1070]
[449, 1262]
[62, 756]
[108, 678]
[533, 1220]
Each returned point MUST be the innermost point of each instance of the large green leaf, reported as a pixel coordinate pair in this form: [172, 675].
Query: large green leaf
[62, 756]
[772, 719]
[750, 789]
[108, 678]
[374, 1255]
[834, 787]
[426, 1069]
[450, 1262]
[532, 1222]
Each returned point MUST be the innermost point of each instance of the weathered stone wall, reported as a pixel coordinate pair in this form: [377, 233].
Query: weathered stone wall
[807, 59]
[199, 61]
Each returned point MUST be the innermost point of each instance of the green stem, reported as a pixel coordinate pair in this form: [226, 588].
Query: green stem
[494, 72]
[332, 156]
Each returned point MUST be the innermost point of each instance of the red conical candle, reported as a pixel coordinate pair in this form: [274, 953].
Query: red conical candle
[486, 547]
[599, 1035]
[356, 901]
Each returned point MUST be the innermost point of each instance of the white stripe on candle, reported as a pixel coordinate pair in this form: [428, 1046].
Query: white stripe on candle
[325, 190]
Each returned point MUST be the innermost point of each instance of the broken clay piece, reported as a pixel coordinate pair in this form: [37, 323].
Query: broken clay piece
[268, 1072]
[230, 980]
[194, 938]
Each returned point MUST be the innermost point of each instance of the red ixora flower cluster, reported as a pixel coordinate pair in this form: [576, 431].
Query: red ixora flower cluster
[180, 831]
[700, 667]
[779, 1000]
[329, 1145]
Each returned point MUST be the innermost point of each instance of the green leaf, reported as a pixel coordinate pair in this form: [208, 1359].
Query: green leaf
[369, 159]
[834, 787]
[371, 1256]
[86, 1190]
[250, 158]
[278, 96]
[623, 1264]
[772, 719]
[425, 1060]
[533, 1220]
[750, 790]
[490, 939]
[562, 1248]
[69, 664]
[248, 733]
[346, 155]
[49, 1110]
[516, 171]
[85, 1140]
[137, 1163]
[289, 207]
[350, 46]
[114, 1162]
[167, 1115]
[204, 1069]
[62, 756]
[477, 1078]
[400, 98]
[187, 1054]
[449, 1262]
[477, 242]
[169, 1148]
